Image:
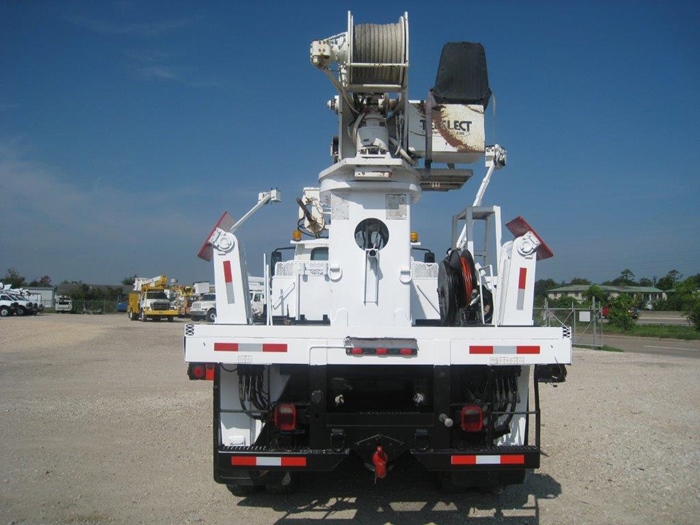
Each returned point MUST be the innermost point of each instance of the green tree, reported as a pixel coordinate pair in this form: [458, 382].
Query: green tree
[693, 313]
[597, 292]
[695, 279]
[129, 281]
[669, 280]
[626, 278]
[14, 278]
[580, 281]
[44, 281]
[562, 302]
[542, 286]
[619, 314]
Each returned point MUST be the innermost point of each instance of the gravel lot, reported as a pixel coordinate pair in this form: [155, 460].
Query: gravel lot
[99, 424]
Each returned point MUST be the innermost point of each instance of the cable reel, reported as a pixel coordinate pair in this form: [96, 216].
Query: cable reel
[459, 291]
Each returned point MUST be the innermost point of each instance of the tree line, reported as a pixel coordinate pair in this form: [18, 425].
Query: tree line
[81, 292]
[682, 294]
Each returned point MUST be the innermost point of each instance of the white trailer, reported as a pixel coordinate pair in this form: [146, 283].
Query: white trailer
[370, 347]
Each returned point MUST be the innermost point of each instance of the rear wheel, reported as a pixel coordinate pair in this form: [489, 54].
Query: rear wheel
[21, 310]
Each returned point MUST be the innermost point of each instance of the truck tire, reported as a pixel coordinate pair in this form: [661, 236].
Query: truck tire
[4, 311]
[21, 310]
[211, 315]
[142, 316]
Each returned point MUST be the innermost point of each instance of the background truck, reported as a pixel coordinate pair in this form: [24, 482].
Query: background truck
[151, 300]
[204, 308]
[370, 349]
[63, 304]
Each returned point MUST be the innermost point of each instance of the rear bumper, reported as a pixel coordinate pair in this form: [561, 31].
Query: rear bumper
[256, 464]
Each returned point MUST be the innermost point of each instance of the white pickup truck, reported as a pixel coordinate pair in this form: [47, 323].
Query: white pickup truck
[204, 308]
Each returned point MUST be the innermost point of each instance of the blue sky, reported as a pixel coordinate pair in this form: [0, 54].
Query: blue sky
[127, 127]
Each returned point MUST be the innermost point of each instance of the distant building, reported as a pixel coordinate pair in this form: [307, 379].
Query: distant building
[45, 293]
[578, 291]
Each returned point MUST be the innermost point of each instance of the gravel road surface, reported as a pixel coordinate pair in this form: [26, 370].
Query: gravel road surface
[99, 424]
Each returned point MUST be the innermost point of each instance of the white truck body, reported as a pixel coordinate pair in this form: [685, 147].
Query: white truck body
[63, 304]
[366, 350]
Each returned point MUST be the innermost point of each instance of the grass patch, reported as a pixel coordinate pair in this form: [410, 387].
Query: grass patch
[656, 330]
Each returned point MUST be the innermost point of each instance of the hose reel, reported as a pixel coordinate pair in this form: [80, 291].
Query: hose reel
[459, 292]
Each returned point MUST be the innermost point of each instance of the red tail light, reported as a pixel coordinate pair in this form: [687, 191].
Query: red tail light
[285, 418]
[472, 418]
[200, 371]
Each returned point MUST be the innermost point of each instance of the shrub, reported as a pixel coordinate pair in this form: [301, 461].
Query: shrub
[693, 313]
[619, 314]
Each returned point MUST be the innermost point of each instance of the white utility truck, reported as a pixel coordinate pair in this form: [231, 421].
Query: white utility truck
[370, 348]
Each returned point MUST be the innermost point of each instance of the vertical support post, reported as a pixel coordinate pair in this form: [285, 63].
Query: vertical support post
[441, 395]
[318, 433]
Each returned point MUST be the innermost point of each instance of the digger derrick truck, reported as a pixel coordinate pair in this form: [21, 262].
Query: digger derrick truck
[367, 350]
[150, 299]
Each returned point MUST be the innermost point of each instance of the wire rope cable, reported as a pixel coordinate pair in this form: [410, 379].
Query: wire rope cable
[379, 44]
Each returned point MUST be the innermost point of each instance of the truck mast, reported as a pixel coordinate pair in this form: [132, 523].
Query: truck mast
[366, 351]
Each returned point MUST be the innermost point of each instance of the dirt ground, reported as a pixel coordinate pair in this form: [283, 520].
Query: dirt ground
[99, 424]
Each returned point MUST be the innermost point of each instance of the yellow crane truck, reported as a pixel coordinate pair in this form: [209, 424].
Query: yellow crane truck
[150, 300]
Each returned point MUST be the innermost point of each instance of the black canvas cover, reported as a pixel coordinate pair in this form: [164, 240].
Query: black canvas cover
[462, 77]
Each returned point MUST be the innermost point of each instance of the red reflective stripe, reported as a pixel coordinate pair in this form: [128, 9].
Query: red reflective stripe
[463, 460]
[406, 351]
[481, 349]
[295, 461]
[225, 347]
[228, 276]
[243, 461]
[513, 459]
[382, 351]
[356, 351]
[274, 347]
[527, 350]
[522, 279]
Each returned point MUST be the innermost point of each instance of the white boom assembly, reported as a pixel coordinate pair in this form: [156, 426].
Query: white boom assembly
[368, 351]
